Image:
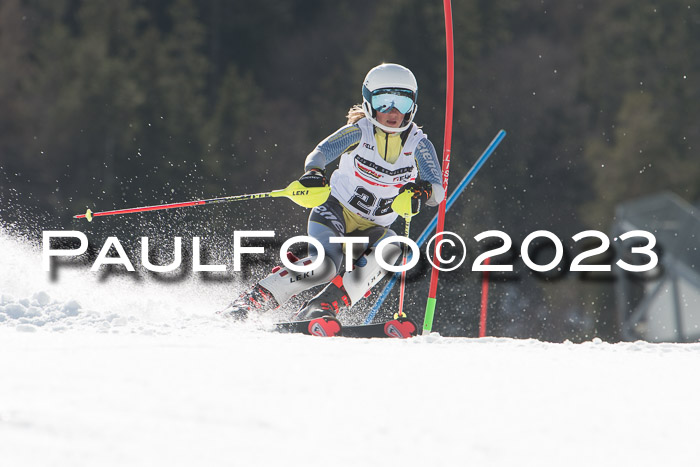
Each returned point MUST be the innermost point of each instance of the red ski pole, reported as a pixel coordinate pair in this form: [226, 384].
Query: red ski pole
[303, 196]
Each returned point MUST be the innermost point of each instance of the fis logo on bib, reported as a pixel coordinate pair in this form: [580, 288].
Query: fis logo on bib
[368, 146]
[402, 178]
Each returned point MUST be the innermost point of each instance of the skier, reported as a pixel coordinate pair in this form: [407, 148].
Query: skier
[382, 153]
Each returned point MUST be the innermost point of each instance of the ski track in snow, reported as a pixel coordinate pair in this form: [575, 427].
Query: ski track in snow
[126, 372]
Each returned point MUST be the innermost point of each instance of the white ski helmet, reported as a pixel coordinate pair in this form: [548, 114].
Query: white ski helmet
[389, 86]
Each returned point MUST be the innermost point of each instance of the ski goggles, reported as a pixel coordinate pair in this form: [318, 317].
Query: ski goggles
[384, 100]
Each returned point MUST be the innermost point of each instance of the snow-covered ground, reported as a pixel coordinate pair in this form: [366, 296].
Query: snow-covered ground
[120, 372]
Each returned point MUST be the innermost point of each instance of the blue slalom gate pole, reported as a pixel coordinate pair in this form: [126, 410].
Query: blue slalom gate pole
[423, 237]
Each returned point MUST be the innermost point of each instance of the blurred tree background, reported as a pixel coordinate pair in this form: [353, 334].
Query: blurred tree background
[115, 104]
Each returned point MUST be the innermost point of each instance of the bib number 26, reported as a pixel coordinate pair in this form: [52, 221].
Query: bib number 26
[367, 203]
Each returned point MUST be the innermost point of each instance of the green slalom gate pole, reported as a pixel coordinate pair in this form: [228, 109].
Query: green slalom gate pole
[430, 305]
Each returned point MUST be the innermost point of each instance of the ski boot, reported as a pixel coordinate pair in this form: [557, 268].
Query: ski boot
[257, 299]
[329, 302]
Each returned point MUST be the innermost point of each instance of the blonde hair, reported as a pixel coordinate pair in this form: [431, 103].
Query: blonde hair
[355, 113]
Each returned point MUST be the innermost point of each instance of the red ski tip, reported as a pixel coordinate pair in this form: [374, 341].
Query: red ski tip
[325, 327]
[399, 328]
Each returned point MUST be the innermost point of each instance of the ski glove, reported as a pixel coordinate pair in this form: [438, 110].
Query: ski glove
[422, 190]
[313, 178]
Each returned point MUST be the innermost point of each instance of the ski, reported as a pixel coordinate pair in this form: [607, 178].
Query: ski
[401, 328]
[327, 326]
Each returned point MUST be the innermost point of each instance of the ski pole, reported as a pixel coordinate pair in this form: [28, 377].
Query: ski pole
[403, 206]
[303, 196]
[433, 223]
[402, 288]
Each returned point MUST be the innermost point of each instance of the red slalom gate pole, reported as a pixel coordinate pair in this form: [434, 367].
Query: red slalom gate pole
[447, 145]
[484, 300]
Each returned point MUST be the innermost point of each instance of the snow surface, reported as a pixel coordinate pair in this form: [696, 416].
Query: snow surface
[118, 372]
